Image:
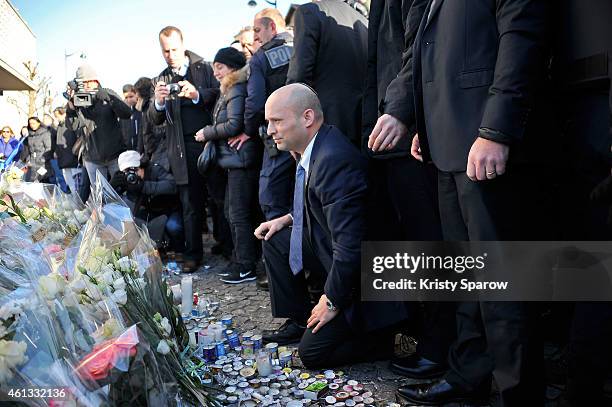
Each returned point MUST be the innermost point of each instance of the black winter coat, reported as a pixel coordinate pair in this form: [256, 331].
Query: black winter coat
[63, 146]
[203, 79]
[228, 116]
[38, 152]
[154, 143]
[100, 127]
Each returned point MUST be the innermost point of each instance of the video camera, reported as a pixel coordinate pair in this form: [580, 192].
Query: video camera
[82, 97]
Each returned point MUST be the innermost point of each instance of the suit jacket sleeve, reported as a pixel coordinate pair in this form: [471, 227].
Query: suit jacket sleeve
[399, 97]
[522, 27]
[306, 38]
[234, 124]
[370, 94]
[342, 193]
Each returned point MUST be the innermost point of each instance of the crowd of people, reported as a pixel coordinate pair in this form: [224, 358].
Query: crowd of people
[425, 120]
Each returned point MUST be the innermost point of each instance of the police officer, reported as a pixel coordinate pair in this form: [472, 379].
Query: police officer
[269, 66]
[268, 72]
[581, 59]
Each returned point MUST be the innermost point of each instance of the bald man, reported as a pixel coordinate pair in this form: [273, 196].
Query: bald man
[323, 244]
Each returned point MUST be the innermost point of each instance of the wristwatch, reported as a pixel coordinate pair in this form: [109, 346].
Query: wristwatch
[330, 306]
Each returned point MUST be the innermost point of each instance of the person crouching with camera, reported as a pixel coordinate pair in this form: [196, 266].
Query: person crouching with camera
[94, 112]
[151, 193]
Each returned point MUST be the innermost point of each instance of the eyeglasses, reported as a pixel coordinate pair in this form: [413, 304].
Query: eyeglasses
[6, 131]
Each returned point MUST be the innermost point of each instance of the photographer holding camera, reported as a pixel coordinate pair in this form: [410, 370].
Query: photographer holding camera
[185, 93]
[150, 191]
[95, 112]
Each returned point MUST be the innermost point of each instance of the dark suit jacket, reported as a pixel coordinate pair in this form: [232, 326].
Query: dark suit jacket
[335, 220]
[475, 69]
[329, 54]
[392, 27]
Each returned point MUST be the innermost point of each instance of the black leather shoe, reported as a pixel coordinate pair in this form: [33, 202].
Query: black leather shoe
[262, 282]
[416, 367]
[438, 393]
[190, 266]
[289, 332]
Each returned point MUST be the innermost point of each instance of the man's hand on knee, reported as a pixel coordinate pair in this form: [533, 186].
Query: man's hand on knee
[267, 229]
[321, 315]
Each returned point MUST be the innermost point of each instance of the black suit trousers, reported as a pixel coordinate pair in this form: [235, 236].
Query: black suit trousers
[293, 296]
[493, 338]
[192, 202]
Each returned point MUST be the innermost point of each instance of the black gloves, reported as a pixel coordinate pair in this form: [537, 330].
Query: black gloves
[135, 188]
[103, 95]
[119, 182]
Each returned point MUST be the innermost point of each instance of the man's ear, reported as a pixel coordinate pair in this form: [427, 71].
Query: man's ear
[309, 117]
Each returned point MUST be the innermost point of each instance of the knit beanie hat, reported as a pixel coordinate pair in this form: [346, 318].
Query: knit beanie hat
[231, 57]
[86, 72]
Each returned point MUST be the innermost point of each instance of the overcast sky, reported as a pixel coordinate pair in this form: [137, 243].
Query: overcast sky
[120, 40]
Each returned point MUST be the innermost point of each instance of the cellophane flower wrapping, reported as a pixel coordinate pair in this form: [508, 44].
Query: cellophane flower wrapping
[78, 282]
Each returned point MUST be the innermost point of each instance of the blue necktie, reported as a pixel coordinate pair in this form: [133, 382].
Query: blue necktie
[295, 246]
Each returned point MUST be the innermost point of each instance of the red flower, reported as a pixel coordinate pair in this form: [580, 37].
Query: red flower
[106, 355]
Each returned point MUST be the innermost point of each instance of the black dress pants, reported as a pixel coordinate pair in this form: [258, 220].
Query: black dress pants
[587, 131]
[216, 182]
[192, 203]
[242, 212]
[493, 338]
[293, 296]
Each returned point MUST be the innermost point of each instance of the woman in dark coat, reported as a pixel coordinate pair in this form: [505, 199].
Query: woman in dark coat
[38, 152]
[241, 205]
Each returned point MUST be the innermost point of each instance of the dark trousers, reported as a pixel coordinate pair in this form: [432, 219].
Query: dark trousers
[85, 187]
[242, 212]
[405, 207]
[192, 202]
[216, 182]
[586, 119]
[495, 338]
[413, 193]
[337, 344]
[293, 296]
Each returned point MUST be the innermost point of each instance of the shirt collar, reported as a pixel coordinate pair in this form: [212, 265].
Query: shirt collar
[305, 159]
[183, 69]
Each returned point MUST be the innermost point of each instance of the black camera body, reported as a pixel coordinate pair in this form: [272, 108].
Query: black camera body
[131, 176]
[82, 97]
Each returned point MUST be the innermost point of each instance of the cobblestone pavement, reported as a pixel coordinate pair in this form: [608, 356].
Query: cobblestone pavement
[250, 308]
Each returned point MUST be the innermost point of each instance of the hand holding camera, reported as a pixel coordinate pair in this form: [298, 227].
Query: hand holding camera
[161, 93]
[188, 90]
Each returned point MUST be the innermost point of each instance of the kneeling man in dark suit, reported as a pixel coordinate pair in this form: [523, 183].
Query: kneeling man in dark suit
[323, 244]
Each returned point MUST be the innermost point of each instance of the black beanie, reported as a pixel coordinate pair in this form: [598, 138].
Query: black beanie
[231, 57]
